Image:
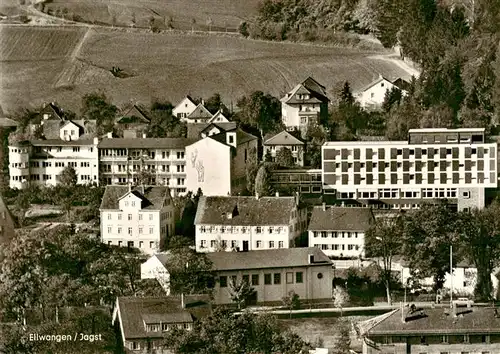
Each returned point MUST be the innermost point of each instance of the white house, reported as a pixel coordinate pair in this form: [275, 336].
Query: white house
[373, 94]
[184, 108]
[340, 231]
[248, 223]
[282, 140]
[217, 163]
[156, 268]
[199, 115]
[306, 104]
[141, 217]
[218, 117]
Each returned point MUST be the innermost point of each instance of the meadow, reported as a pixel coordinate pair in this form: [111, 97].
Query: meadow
[62, 64]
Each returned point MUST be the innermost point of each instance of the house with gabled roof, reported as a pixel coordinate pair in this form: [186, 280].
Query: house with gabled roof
[273, 273]
[184, 107]
[306, 104]
[143, 322]
[199, 115]
[202, 130]
[133, 122]
[217, 163]
[248, 223]
[156, 268]
[219, 117]
[50, 111]
[340, 231]
[141, 217]
[274, 143]
[372, 95]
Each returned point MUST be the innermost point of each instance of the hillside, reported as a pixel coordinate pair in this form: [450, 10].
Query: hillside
[39, 66]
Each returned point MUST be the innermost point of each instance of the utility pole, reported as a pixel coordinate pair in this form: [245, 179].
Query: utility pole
[451, 276]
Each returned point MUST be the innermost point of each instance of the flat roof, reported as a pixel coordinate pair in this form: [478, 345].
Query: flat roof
[446, 130]
[353, 143]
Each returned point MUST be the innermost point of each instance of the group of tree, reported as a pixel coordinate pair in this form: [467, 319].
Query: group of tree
[423, 237]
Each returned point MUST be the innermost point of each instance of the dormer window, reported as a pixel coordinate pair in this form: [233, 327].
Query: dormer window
[152, 327]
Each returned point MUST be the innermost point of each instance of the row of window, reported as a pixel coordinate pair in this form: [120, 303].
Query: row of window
[38, 149]
[131, 244]
[445, 339]
[241, 229]
[235, 244]
[326, 247]
[293, 148]
[165, 327]
[138, 153]
[396, 194]
[151, 181]
[37, 164]
[408, 166]
[137, 168]
[130, 230]
[269, 279]
[335, 234]
[130, 216]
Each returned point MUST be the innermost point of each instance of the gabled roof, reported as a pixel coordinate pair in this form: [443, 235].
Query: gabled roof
[222, 126]
[402, 84]
[52, 128]
[341, 218]
[316, 92]
[134, 311]
[163, 257]
[53, 110]
[373, 83]
[152, 199]
[273, 258]
[315, 86]
[283, 138]
[67, 122]
[245, 211]
[218, 117]
[134, 115]
[145, 143]
[188, 98]
[200, 112]
[436, 321]
[241, 137]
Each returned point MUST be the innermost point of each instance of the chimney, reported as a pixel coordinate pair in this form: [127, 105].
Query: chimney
[311, 258]
[257, 196]
[183, 305]
[144, 135]
[110, 135]
[324, 206]
[277, 194]
[202, 101]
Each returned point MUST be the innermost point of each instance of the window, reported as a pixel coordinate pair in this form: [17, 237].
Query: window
[109, 216]
[271, 244]
[422, 340]
[280, 244]
[119, 243]
[258, 229]
[151, 244]
[485, 338]
[234, 279]
[466, 194]
[141, 244]
[466, 338]
[129, 217]
[298, 277]
[109, 229]
[150, 217]
[445, 339]
[246, 278]
[289, 278]
[255, 279]
[130, 231]
[277, 278]
[258, 244]
[140, 229]
[119, 230]
[119, 216]
[140, 216]
[136, 346]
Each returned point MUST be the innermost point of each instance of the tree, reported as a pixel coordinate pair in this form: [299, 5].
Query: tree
[251, 169]
[343, 339]
[163, 123]
[384, 240]
[263, 185]
[240, 292]
[243, 29]
[260, 111]
[284, 157]
[292, 301]
[214, 103]
[68, 176]
[340, 298]
[22, 203]
[392, 97]
[345, 95]
[95, 106]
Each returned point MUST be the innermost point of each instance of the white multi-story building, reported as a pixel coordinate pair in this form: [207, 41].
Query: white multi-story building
[184, 108]
[340, 231]
[142, 218]
[306, 104]
[275, 143]
[248, 223]
[65, 143]
[160, 160]
[456, 164]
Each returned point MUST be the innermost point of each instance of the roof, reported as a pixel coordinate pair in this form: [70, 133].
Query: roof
[200, 112]
[283, 138]
[218, 115]
[223, 126]
[194, 130]
[53, 110]
[59, 142]
[133, 311]
[309, 86]
[145, 143]
[152, 199]
[343, 219]
[402, 84]
[51, 128]
[241, 137]
[163, 257]
[446, 130]
[172, 317]
[273, 258]
[189, 98]
[133, 115]
[373, 83]
[245, 211]
[437, 321]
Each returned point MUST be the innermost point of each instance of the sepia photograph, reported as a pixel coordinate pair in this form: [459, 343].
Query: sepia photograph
[249, 177]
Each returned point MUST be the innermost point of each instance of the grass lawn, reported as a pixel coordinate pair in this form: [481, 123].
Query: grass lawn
[167, 66]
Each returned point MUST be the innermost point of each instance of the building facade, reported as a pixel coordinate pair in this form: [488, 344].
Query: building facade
[142, 218]
[248, 223]
[274, 144]
[340, 232]
[184, 108]
[456, 164]
[373, 95]
[302, 180]
[156, 268]
[273, 274]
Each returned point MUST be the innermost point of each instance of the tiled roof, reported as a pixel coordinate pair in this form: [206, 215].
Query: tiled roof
[51, 128]
[245, 210]
[218, 115]
[283, 138]
[145, 143]
[200, 112]
[134, 309]
[223, 126]
[341, 218]
[274, 258]
[173, 317]
[152, 198]
[189, 98]
[52, 109]
[134, 115]
[373, 83]
[309, 86]
[59, 142]
[163, 257]
[241, 137]
[195, 130]
[436, 321]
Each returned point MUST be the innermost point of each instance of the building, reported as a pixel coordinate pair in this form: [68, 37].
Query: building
[199, 115]
[62, 143]
[303, 180]
[340, 232]
[144, 321]
[248, 223]
[133, 122]
[7, 226]
[202, 130]
[456, 164]
[50, 111]
[433, 330]
[305, 104]
[184, 108]
[373, 95]
[156, 268]
[142, 217]
[219, 117]
[282, 140]
[273, 274]
[217, 163]
[159, 161]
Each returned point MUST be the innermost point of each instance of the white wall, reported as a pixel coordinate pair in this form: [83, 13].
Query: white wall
[184, 108]
[356, 241]
[375, 95]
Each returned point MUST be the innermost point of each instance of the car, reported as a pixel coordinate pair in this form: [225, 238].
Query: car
[463, 301]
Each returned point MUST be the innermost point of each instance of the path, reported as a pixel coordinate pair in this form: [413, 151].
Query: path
[396, 60]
